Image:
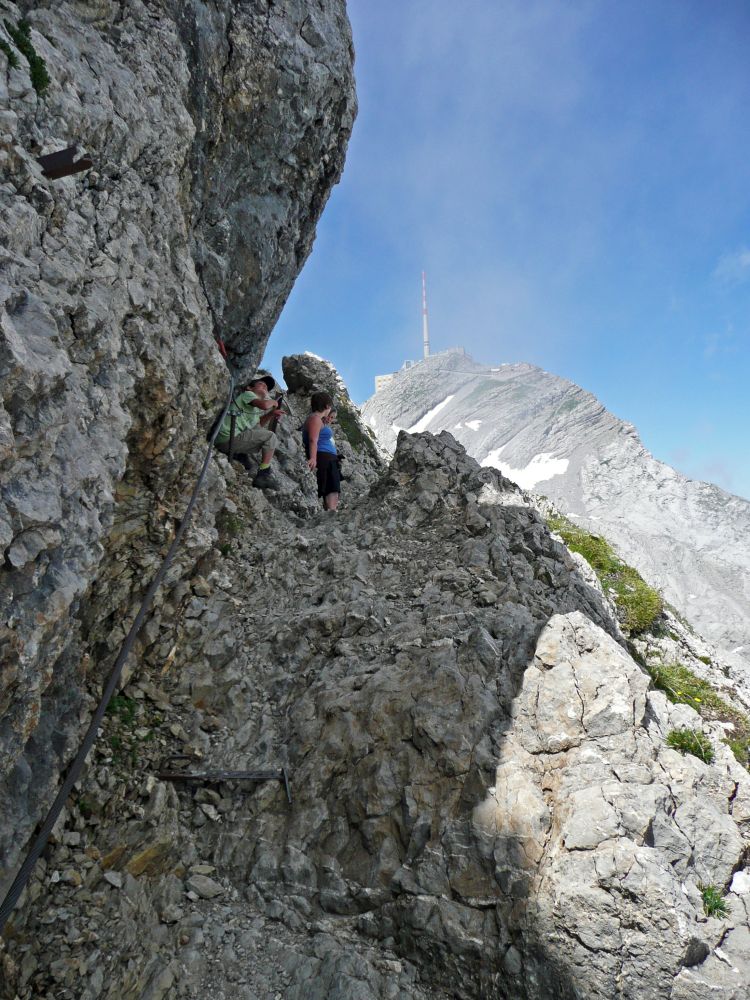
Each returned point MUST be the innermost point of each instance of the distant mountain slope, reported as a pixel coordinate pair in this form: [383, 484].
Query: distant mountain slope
[690, 539]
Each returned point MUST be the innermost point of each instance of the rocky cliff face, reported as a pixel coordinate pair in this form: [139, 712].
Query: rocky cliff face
[216, 131]
[687, 538]
[484, 803]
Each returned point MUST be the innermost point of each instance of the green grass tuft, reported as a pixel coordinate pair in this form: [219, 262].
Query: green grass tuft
[21, 35]
[714, 904]
[641, 604]
[229, 525]
[740, 747]
[691, 741]
[123, 708]
[638, 604]
[123, 741]
[87, 807]
[682, 687]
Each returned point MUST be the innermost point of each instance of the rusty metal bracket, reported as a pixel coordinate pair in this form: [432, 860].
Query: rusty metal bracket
[63, 163]
[171, 770]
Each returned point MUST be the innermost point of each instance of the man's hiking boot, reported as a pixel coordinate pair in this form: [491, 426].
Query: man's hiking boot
[264, 480]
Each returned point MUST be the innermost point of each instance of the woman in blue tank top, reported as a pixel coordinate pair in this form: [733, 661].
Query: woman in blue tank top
[320, 449]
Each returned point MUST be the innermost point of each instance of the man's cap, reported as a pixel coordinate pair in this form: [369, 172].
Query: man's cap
[268, 379]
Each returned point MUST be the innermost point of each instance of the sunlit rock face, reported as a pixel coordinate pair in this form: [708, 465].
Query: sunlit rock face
[687, 538]
[216, 132]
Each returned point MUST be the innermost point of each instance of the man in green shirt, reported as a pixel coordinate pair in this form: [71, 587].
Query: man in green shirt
[253, 410]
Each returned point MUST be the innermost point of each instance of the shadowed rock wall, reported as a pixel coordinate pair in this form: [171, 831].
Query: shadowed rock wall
[217, 130]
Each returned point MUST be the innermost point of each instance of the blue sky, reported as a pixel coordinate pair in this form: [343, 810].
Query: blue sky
[573, 177]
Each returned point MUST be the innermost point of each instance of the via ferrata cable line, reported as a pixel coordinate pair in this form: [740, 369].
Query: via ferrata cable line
[40, 841]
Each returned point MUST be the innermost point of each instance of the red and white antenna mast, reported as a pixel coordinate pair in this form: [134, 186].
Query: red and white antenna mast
[425, 327]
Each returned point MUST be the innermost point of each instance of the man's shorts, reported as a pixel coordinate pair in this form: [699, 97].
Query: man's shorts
[328, 472]
[250, 441]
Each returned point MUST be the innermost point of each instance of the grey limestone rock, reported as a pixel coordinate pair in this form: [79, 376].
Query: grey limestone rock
[271, 90]
[483, 800]
[483, 781]
[216, 131]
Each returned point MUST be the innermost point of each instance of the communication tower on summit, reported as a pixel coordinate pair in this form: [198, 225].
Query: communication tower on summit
[425, 327]
[381, 381]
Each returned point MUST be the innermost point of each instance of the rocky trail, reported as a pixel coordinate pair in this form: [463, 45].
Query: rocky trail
[484, 804]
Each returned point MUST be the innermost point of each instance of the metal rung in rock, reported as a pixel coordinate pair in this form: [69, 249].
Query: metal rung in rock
[63, 164]
[171, 770]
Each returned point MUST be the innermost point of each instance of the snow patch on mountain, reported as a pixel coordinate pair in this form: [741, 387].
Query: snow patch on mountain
[539, 469]
[423, 423]
[493, 459]
[474, 424]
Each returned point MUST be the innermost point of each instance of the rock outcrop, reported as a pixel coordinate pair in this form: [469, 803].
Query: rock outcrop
[484, 803]
[306, 374]
[216, 131]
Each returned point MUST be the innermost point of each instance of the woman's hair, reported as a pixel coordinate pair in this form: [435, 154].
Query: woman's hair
[320, 401]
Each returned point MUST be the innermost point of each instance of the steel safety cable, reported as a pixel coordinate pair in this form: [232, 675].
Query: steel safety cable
[74, 771]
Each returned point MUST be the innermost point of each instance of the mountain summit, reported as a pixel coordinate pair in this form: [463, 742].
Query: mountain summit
[688, 538]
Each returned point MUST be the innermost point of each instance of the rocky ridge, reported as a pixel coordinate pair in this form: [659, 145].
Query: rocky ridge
[484, 803]
[686, 538]
[668, 640]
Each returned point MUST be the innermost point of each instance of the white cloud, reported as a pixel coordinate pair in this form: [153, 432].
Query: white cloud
[717, 345]
[734, 268]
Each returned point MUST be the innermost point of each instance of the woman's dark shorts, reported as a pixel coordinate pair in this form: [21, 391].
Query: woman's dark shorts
[329, 474]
